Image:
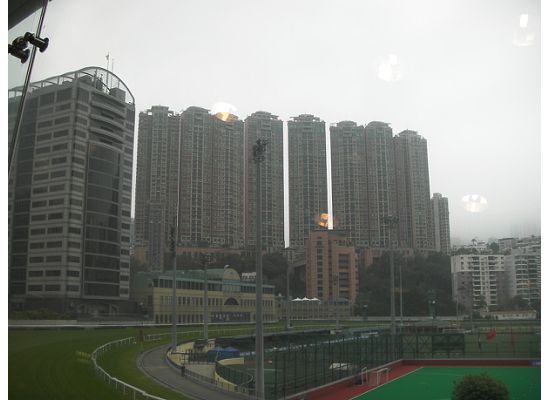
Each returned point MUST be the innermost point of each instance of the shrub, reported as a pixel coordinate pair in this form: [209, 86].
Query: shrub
[480, 387]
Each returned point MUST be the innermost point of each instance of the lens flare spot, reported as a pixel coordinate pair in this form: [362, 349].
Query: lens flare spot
[474, 203]
[523, 20]
[225, 112]
[324, 219]
[524, 35]
[389, 69]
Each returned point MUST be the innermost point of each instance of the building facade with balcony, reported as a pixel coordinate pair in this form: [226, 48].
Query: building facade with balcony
[307, 177]
[479, 277]
[523, 273]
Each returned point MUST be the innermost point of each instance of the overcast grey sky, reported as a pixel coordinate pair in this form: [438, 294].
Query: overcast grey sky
[465, 87]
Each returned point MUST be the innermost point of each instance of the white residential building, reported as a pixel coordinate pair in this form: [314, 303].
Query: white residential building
[523, 273]
[479, 278]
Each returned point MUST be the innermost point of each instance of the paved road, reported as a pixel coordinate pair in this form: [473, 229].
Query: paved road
[154, 364]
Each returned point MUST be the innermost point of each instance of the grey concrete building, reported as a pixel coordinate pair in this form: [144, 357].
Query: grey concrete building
[211, 181]
[381, 184]
[227, 206]
[413, 191]
[442, 232]
[156, 182]
[70, 194]
[307, 169]
[349, 181]
[263, 125]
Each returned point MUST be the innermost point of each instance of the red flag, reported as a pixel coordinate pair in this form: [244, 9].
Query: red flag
[492, 334]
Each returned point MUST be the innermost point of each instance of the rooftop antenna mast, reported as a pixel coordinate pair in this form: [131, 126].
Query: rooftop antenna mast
[107, 77]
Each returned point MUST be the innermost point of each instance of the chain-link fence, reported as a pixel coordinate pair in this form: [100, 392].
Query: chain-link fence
[297, 367]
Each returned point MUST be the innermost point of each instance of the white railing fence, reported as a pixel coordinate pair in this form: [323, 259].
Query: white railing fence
[126, 388]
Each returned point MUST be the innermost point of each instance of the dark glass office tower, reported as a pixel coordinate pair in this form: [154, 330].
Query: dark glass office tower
[70, 194]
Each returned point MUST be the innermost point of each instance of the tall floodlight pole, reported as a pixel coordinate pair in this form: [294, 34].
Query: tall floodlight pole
[205, 301]
[392, 221]
[287, 296]
[401, 295]
[258, 155]
[457, 309]
[337, 279]
[174, 251]
[173, 245]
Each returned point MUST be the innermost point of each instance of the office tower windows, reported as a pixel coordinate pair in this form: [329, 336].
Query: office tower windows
[70, 193]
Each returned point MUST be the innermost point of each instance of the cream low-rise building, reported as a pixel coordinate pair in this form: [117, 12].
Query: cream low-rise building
[229, 299]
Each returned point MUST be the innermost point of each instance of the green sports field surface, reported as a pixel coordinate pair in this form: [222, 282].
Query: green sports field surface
[436, 383]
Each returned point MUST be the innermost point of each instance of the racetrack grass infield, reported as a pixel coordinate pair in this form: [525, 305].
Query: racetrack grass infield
[44, 364]
[436, 383]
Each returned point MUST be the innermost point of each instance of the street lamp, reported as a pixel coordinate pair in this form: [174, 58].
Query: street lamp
[258, 155]
[365, 307]
[337, 279]
[432, 308]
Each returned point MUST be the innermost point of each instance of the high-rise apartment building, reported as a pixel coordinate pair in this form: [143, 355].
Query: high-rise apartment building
[442, 232]
[479, 278]
[307, 169]
[381, 184]
[227, 207]
[349, 181]
[156, 182]
[195, 189]
[523, 274]
[266, 126]
[211, 181]
[70, 194]
[331, 266]
[413, 191]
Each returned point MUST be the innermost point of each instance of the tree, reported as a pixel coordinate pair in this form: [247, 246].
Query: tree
[480, 387]
[420, 275]
[494, 247]
[516, 303]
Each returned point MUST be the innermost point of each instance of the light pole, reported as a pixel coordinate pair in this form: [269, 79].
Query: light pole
[287, 296]
[174, 253]
[205, 300]
[337, 279]
[401, 295]
[392, 221]
[457, 297]
[173, 248]
[258, 155]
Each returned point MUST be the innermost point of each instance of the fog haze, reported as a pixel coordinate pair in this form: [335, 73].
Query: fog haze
[466, 87]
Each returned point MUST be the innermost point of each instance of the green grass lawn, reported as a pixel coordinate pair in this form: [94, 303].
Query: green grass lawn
[43, 364]
[436, 383]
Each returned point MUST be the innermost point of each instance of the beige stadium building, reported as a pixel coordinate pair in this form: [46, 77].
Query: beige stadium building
[229, 298]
